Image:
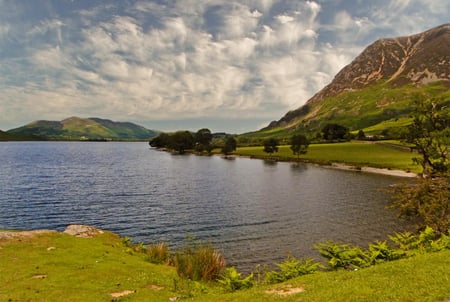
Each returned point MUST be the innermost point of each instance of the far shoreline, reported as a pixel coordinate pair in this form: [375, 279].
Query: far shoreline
[334, 165]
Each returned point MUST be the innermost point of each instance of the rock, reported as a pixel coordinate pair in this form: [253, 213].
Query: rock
[83, 231]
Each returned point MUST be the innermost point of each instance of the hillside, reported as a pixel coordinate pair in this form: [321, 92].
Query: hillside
[75, 128]
[377, 86]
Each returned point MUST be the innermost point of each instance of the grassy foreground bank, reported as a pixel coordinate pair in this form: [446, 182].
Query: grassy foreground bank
[59, 267]
[357, 153]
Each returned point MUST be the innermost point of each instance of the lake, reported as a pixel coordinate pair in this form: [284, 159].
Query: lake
[254, 211]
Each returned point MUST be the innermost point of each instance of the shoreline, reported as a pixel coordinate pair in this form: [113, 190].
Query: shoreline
[339, 166]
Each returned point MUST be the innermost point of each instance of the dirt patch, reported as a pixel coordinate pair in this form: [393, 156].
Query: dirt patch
[39, 277]
[5, 235]
[285, 291]
[154, 287]
[122, 293]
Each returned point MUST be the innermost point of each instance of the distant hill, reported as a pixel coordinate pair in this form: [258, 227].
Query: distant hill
[374, 91]
[75, 128]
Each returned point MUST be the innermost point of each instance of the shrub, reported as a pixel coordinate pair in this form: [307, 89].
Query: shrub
[232, 280]
[343, 255]
[158, 253]
[292, 268]
[380, 251]
[200, 262]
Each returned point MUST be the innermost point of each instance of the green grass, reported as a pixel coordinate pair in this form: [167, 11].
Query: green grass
[353, 153]
[59, 267]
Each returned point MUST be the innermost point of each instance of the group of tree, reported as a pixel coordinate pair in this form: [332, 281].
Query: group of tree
[181, 141]
[299, 145]
[200, 142]
[428, 201]
[335, 132]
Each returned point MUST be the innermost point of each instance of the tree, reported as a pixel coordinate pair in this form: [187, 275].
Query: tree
[271, 145]
[181, 141]
[428, 202]
[430, 133]
[203, 139]
[335, 132]
[161, 141]
[361, 135]
[229, 146]
[299, 144]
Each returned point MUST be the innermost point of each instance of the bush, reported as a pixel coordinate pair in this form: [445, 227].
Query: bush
[343, 255]
[200, 262]
[292, 268]
[232, 280]
[380, 251]
[158, 253]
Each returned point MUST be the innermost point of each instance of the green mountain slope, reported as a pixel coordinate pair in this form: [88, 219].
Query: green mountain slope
[75, 128]
[374, 92]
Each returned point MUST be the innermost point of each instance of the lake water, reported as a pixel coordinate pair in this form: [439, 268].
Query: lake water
[255, 211]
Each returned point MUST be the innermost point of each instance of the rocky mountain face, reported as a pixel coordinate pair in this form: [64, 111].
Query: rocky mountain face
[419, 59]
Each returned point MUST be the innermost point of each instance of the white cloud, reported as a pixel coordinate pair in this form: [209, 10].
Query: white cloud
[212, 59]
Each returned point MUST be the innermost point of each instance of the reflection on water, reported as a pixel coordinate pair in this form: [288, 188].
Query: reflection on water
[255, 211]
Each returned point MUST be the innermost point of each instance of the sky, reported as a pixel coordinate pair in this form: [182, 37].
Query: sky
[230, 66]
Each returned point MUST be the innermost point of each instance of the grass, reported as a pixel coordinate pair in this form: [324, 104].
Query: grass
[353, 153]
[59, 267]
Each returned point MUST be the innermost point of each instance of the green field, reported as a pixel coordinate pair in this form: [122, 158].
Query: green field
[59, 267]
[357, 153]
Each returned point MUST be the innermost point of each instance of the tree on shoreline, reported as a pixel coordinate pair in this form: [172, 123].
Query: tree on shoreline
[299, 145]
[428, 200]
[271, 145]
[229, 146]
[430, 133]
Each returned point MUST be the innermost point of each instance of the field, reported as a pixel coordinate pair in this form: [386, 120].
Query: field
[359, 154]
[59, 267]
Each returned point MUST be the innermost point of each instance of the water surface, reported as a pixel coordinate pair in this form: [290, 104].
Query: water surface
[255, 211]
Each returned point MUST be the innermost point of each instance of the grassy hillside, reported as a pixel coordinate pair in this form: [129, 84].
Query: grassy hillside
[76, 128]
[59, 267]
[380, 108]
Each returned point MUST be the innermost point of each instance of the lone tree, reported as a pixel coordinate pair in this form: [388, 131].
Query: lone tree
[428, 200]
[299, 145]
[229, 146]
[271, 145]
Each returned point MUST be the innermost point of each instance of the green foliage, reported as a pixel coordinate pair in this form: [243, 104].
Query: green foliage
[430, 133]
[331, 132]
[232, 280]
[271, 145]
[428, 201]
[292, 268]
[229, 146]
[203, 139]
[299, 144]
[427, 240]
[341, 255]
[380, 251]
[159, 253]
[199, 262]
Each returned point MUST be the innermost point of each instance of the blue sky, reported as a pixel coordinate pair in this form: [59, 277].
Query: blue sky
[226, 65]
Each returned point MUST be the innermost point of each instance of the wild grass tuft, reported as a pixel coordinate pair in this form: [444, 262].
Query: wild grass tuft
[199, 262]
[159, 253]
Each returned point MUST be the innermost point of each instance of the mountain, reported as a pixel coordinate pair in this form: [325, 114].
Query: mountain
[377, 86]
[75, 128]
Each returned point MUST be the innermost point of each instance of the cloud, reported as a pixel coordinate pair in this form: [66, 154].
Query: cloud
[212, 60]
